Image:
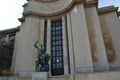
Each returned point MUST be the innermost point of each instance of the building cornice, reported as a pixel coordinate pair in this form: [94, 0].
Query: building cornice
[62, 12]
[91, 3]
[118, 13]
[25, 4]
[107, 9]
[21, 19]
[9, 31]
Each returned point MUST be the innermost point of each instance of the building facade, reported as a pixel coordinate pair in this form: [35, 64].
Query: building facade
[7, 40]
[83, 40]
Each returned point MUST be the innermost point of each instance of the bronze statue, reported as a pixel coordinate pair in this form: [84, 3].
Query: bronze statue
[42, 64]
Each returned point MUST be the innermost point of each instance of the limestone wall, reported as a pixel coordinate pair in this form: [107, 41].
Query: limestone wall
[96, 39]
[25, 53]
[81, 46]
[111, 22]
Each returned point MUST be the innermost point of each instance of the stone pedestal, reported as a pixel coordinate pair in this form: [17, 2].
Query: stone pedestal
[40, 76]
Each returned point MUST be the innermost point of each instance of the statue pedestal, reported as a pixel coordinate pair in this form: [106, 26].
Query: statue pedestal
[40, 76]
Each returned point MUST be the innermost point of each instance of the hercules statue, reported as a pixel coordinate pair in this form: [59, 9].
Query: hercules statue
[42, 64]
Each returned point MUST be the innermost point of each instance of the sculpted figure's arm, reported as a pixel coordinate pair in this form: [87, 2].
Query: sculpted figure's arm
[35, 45]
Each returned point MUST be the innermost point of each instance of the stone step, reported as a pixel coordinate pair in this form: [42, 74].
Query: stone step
[25, 78]
[14, 78]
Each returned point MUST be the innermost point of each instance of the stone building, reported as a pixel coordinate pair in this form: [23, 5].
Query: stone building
[7, 40]
[83, 40]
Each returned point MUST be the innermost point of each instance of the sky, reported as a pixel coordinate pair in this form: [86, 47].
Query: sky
[11, 10]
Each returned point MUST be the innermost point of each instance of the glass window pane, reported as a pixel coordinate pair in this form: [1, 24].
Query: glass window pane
[60, 58]
[53, 37]
[60, 65]
[54, 60]
[53, 53]
[53, 33]
[53, 65]
[53, 43]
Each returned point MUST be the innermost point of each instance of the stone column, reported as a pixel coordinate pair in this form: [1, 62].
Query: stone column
[16, 61]
[41, 34]
[81, 45]
[65, 47]
[112, 23]
[101, 62]
[26, 45]
[7, 38]
[48, 47]
[70, 44]
[15, 58]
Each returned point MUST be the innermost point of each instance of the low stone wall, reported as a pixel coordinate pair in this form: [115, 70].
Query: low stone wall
[90, 76]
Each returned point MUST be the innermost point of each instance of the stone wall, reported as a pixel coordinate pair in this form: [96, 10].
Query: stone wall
[110, 21]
